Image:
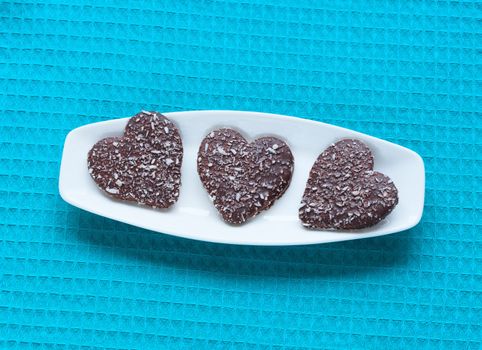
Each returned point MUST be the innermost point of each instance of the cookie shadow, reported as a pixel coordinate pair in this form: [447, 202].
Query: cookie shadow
[330, 260]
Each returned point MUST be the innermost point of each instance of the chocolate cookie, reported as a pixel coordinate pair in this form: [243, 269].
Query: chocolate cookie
[144, 165]
[243, 178]
[343, 191]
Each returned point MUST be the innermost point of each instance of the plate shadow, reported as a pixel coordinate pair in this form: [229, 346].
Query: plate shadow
[329, 260]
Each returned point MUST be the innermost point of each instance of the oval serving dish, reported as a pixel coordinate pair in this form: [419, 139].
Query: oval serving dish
[194, 216]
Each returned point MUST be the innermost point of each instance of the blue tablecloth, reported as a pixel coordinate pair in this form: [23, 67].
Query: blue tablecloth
[406, 71]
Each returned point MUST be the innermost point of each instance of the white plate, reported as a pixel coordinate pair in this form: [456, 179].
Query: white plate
[194, 216]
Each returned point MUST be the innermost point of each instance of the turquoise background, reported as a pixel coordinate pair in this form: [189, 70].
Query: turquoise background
[406, 71]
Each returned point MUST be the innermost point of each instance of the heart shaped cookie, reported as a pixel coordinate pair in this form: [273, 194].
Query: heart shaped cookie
[243, 178]
[144, 165]
[343, 191]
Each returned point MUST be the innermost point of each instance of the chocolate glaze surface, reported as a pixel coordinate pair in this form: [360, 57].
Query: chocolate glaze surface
[343, 191]
[241, 178]
[144, 165]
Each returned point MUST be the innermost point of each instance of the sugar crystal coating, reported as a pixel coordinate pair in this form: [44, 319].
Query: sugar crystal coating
[243, 179]
[343, 191]
[144, 165]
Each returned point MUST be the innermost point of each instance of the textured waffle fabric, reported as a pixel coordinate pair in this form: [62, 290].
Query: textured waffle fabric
[406, 71]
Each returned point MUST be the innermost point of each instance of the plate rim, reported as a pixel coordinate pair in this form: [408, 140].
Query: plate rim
[355, 235]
